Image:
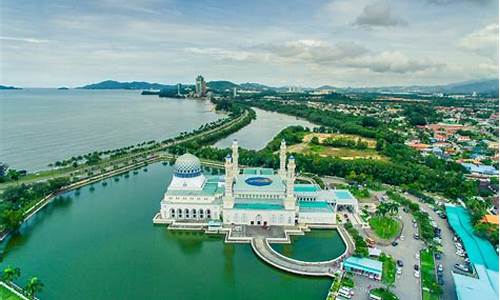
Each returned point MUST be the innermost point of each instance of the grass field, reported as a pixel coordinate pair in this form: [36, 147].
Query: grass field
[428, 275]
[6, 294]
[385, 227]
[384, 294]
[345, 153]
[388, 269]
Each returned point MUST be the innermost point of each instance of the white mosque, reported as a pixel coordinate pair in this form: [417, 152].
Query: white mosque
[247, 196]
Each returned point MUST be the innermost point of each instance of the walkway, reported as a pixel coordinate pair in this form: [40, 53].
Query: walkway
[262, 248]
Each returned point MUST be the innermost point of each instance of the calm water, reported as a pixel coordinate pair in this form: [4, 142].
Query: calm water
[257, 134]
[319, 245]
[103, 245]
[41, 126]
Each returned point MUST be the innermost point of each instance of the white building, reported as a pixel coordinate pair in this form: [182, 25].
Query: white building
[247, 196]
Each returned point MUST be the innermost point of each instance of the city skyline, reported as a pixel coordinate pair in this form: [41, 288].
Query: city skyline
[339, 43]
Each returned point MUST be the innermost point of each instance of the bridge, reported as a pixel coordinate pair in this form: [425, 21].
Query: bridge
[264, 251]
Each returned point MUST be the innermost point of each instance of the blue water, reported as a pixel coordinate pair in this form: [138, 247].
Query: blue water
[261, 131]
[41, 126]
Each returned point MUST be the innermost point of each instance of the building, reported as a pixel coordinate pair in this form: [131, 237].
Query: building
[247, 196]
[483, 284]
[364, 266]
[200, 86]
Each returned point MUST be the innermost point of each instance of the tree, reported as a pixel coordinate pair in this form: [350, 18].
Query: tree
[33, 287]
[315, 140]
[10, 274]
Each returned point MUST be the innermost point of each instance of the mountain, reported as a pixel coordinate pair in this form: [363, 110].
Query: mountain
[134, 85]
[255, 86]
[221, 85]
[484, 86]
[5, 87]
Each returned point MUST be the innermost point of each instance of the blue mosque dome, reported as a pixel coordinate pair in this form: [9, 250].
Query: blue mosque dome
[187, 165]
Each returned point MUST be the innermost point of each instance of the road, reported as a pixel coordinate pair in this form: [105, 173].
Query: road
[449, 258]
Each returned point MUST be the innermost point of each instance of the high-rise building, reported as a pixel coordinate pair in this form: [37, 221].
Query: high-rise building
[200, 86]
[179, 87]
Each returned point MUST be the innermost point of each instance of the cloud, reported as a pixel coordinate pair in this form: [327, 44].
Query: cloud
[316, 53]
[483, 42]
[392, 62]
[23, 39]
[378, 14]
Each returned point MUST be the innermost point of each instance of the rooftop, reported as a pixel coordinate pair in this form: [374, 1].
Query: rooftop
[211, 188]
[259, 182]
[262, 206]
[314, 206]
[306, 188]
[479, 250]
[364, 264]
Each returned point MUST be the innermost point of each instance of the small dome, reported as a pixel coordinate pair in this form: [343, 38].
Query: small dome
[187, 165]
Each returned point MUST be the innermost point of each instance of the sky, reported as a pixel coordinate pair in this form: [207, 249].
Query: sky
[280, 43]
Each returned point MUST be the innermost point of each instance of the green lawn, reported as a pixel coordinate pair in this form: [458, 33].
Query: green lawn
[430, 287]
[388, 269]
[6, 294]
[384, 294]
[385, 227]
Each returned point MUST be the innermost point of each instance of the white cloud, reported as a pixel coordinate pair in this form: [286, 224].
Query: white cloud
[23, 39]
[315, 54]
[483, 42]
[392, 62]
[379, 14]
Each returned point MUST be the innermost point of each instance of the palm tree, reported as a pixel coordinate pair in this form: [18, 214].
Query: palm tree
[10, 274]
[382, 209]
[392, 207]
[33, 287]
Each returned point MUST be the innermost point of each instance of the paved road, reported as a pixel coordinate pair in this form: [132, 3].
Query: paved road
[449, 258]
[406, 285]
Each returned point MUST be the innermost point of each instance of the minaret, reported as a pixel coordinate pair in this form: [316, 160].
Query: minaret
[228, 196]
[282, 170]
[236, 170]
[290, 179]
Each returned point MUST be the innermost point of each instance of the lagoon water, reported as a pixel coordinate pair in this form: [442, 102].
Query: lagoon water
[41, 126]
[262, 130]
[102, 244]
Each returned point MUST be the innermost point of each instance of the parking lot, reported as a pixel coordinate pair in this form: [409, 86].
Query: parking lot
[407, 286]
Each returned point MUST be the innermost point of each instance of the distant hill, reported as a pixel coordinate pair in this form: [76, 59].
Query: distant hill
[134, 85]
[221, 85]
[485, 86]
[5, 87]
[255, 86]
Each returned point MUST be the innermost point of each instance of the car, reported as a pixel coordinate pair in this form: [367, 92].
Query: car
[406, 210]
[417, 255]
[346, 216]
[416, 236]
[415, 225]
[402, 238]
[437, 256]
[440, 280]
[399, 271]
[440, 267]
[394, 243]
[400, 263]
[416, 274]
[460, 253]
[416, 267]
[414, 221]
[461, 267]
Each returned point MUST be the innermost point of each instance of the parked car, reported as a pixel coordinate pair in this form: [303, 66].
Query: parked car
[416, 274]
[394, 243]
[440, 280]
[416, 267]
[399, 271]
[402, 238]
[417, 255]
[437, 256]
[440, 267]
[461, 267]
[416, 236]
[400, 263]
